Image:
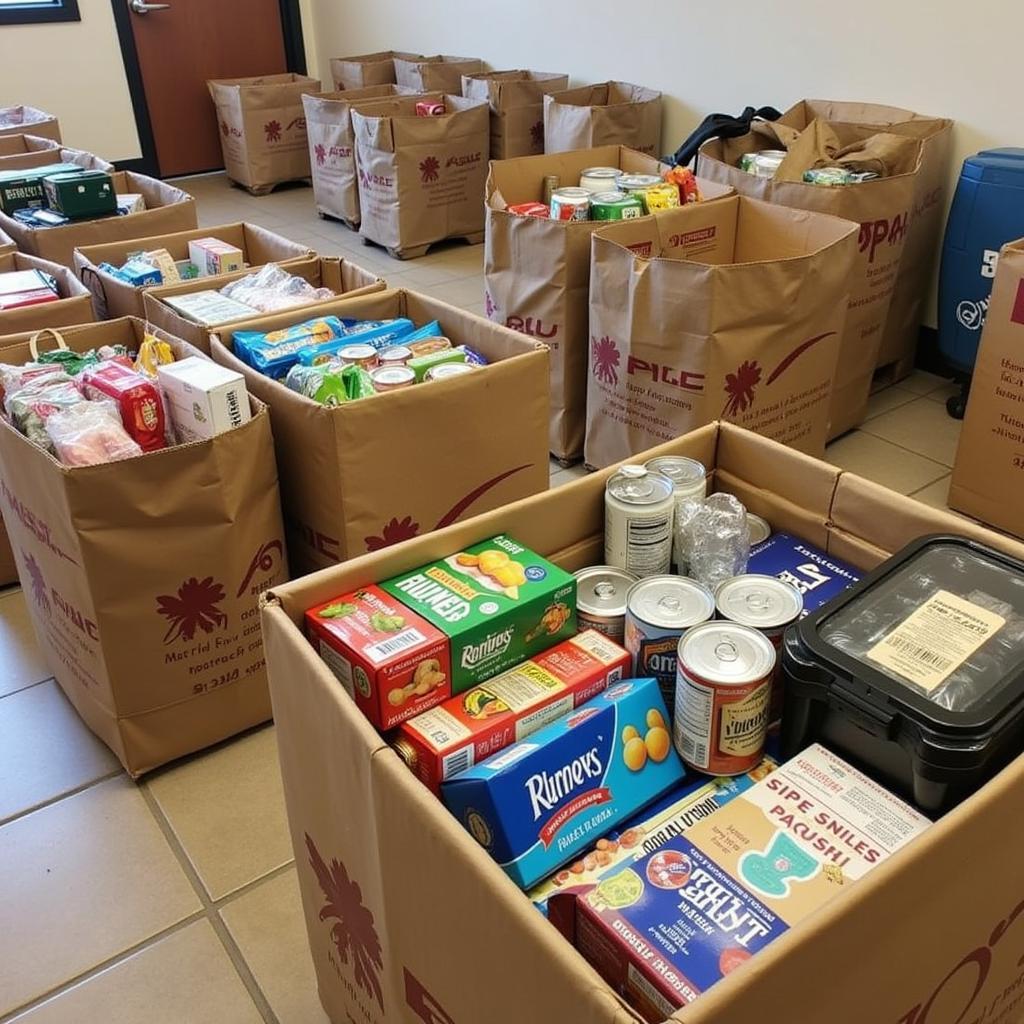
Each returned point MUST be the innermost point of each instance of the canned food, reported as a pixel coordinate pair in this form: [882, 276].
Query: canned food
[358, 355]
[691, 484]
[636, 182]
[659, 610]
[615, 206]
[599, 179]
[723, 685]
[601, 600]
[660, 197]
[763, 164]
[760, 529]
[570, 204]
[444, 370]
[836, 176]
[391, 378]
[638, 514]
[550, 184]
[397, 355]
[428, 108]
[530, 210]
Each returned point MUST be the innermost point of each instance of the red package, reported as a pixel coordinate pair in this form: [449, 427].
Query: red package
[426, 108]
[685, 180]
[137, 399]
[531, 210]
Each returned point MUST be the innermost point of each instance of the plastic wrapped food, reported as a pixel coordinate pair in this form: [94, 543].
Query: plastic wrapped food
[152, 353]
[274, 353]
[74, 363]
[31, 406]
[272, 289]
[323, 384]
[714, 539]
[13, 378]
[88, 434]
[358, 382]
[381, 334]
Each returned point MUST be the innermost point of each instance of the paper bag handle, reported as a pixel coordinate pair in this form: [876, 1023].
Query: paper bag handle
[33, 342]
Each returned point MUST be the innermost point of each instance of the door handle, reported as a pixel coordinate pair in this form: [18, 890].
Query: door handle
[141, 7]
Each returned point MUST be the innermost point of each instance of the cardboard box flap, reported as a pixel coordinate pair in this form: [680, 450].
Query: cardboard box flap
[25, 151]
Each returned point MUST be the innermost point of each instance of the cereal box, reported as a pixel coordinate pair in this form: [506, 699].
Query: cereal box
[816, 574]
[537, 804]
[667, 927]
[498, 603]
[392, 663]
[465, 729]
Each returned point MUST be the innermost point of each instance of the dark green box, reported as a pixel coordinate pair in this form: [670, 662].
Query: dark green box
[20, 189]
[82, 195]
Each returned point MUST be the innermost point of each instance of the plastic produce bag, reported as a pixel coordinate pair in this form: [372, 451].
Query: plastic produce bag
[271, 289]
[713, 538]
[88, 434]
[31, 406]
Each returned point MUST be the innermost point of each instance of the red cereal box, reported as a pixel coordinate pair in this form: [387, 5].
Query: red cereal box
[393, 663]
[137, 399]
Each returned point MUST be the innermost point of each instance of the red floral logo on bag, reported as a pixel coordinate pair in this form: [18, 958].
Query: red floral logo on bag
[429, 169]
[320, 150]
[606, 358]
[489, 306]
[224, 130]
[272, 130]
[263, 561]
[537, 136]
[354, 934]
[422, 1003]
[35, 573]
[193, 607]
[405, 529]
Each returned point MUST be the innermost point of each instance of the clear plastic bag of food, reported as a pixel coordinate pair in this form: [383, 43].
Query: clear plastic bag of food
[33, 404]
[14, 378]
[271, 289]
[713, 538]
[89, 434]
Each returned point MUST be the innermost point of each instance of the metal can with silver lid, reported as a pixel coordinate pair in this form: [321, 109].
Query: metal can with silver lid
[570, 204]
[659, 611]
[762, 164]
[445, 370]
[760, 529]
[601, 599]
[723, 687]
[691, 484]
[599, 179]
[636, 182]
[397, 355]
[391, 378]
[359, 355]
[638, 514]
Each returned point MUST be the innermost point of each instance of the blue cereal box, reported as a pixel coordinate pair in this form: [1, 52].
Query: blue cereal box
[816, 574]
[534, 806]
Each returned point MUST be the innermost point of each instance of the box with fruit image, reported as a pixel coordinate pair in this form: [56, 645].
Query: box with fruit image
[392, 662]
[535, 805]
[498, 603]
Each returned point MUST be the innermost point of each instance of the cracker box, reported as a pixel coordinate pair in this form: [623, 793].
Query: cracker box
[393, 663]
[816, 574]
[534, 806]
[204, 398]
[212, 256]
[665, 929]
[498, 603]
[466, 729]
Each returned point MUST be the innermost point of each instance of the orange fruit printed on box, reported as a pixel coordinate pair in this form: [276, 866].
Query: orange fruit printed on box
[392, 662]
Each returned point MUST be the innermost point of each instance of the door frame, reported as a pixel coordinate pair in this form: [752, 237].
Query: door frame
[295, 56]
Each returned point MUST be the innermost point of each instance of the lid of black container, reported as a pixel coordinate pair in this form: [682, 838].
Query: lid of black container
[936, 632]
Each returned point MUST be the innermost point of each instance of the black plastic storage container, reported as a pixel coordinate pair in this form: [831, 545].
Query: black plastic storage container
[917, 672]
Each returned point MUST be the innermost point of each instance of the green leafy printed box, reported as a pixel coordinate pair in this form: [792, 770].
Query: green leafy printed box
[498, 602]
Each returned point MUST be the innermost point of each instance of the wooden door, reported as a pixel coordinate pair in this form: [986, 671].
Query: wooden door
[183, 43]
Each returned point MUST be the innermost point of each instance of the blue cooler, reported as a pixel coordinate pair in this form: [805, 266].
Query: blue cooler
[987, 212]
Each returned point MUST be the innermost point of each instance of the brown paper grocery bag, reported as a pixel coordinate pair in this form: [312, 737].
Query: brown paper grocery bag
[924, 229]
[435, 74]
[263, 128]
[143, 577]
[612, 113]
[421, 179]
[369, 69]
[516, 99]
[882, 208]
[726, 310]
[988, 475]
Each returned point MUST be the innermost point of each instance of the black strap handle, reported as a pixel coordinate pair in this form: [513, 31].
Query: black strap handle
[719, 126]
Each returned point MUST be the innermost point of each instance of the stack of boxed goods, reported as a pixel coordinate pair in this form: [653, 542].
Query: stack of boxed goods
[369, 69]
[516, 99]
[74, 207]
[140, 494]
[685, 306]
[194, 308]
[377, 404]
[612, 113]
[117, 273]
[861, 172]
[36, 293]
[263, 129]
[435, 74]
[22, 120]
[636, 793]
[541, 213]
[20, 152]
[422, 166]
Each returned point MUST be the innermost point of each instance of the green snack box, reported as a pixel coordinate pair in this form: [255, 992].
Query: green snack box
[420, 364]
[497, 602]
[24, 188]
[81, 195]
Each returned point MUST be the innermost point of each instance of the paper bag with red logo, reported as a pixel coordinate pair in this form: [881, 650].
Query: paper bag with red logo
[924, 230]
[368, 69]
[421, 179]
[517, 108]
[263, 128]
[612, 113]
[143, 576]
[882, 208]
[728, 310]
[332, 157]
[435, 74]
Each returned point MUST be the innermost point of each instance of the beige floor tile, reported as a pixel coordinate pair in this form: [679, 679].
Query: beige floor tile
[885, 463]
[83, 880]
[949, 389]
[465, 291]
[426, 274]
[886, 400]
[185, 977]
[45, 749]
[226, 808]
[268, 926]
[921, 426]
[934, 494]
[566, 475]
[21, 661]
[922, 383]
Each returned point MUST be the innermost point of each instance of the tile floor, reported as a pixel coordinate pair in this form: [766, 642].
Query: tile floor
[176, 900]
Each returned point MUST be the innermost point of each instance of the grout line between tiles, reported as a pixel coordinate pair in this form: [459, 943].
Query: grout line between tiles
[926, 486]
[896, 444]
[75, 791]
[28, 686]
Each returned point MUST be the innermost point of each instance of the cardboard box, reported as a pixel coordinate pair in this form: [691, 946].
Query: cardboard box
[168, 209]
[19, 152]
[203, 399]
[368, 69]
[22, 120]
[988, 481]
[73, 307]
[516, 99]
[345, 279]
[7, 244]
[114, 298]
[366, 474]
[143, 577]
[879, 952]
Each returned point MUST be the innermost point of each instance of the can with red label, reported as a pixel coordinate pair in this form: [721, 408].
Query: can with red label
[530, 210]
[723, 689]
[570, 204]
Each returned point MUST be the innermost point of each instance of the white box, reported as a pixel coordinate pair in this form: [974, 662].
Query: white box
[203, 398]
[212, 256]
[209, 307]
